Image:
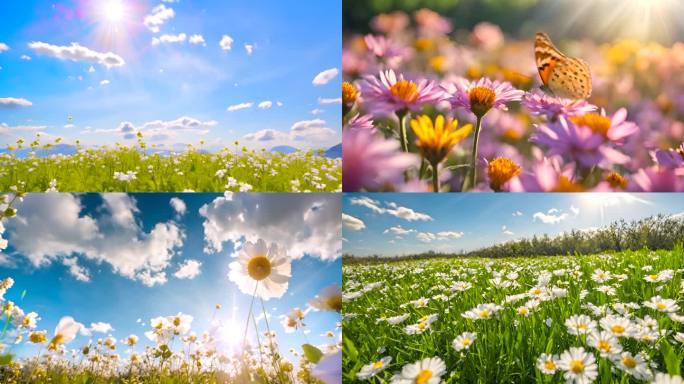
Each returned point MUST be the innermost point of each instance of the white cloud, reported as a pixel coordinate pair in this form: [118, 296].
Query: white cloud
[553, 210]
[178, 205]
[549, 218]
[266, 135]
[25, 57]
[325, 101]
[14, 102]
[517, 213]
[506, 231]
[316, 111]
[197, 39]
[4, 47]
[279, 103]
[427, 237]
[449, 235]
[301, 223]
[398, 230]
[250, 48]
[325, 76]
[265, 104]
[390, 208]
[76, 52]
[575, 211]
[113, 237]
[91, 69]
[188, 270]
[238, 107]
[353, 223]
[170, 39]
[158, 130]
[78, 272]
[101, 327]
[314, 130]
[104, 82]
[7, 130]
[226, 43]
[157, 17]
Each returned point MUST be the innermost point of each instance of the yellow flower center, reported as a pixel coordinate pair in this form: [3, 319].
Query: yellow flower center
[349, 93]
[617, 328]
[176, 321]
[37, 337]
[604, 346]
[576, 366]
[550, 365]
[57, 340]
[259, 267]
[616, 180]
[422, 325]
[597, 123]
[466, 341]
[436, 140]
[536, 291]
[423, 376]
[661, 306]
[291, 322]
[500, 170]
[481, 100]
[629, 362]
[566, 185]
[583, 327]
[484, 313]
[437, 63]
[423, 44]
[335, 302]
[404, 90]
[424, 318]
[523, 310]
[653, 277]
[378, 364]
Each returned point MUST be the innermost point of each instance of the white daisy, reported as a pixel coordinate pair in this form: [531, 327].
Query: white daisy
[464, 341]
[426, 371]
[372, 369]
[262, 270]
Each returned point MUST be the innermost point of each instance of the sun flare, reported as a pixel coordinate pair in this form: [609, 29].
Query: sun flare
[113, 11]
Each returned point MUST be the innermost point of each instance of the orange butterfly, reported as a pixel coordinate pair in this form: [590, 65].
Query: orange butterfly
[565, 76]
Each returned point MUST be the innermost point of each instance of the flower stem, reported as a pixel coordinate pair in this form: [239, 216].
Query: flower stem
[470, 182]
[403, 138]
[435, 177]
[251, 304]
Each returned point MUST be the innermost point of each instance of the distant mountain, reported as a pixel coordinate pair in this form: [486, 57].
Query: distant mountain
[57, 149]
[284, 149]
[334, 152]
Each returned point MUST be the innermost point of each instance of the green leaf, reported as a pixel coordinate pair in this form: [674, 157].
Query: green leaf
[671, 359]
[349, 350]
[5, 359]
[312, 353]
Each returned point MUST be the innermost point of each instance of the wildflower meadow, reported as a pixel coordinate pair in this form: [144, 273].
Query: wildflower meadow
[435, 102]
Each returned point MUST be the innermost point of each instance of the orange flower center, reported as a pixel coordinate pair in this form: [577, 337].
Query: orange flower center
[404, 90]
[550, 365]
[259, 267]
[597, 123]
[616, 180]
[500, 170]
[566, 185]
[481, 100]
[604, 346]
[349, 93]
[437, 63]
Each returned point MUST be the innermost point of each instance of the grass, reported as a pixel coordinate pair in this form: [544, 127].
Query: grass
[508, 344]
[231, 169]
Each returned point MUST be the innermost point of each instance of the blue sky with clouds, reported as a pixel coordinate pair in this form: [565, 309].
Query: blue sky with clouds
[404, 223]
[263, 72]
[116, 258]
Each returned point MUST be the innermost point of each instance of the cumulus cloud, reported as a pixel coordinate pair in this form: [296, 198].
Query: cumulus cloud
[301, 223]
[78, 272]
[25, 57]
[266, 135]
[113, 237]
[506, 231]
[157, 17]
[237, 107]
[3, 47]
[353, 223]
[517, 213]
[305, 130]
[226, 43]
[178, 206]
[265, 104]
[197, 39]
[249, 48]
[325, 76]
[390, 208]
[575, 211]
[104, 82]
[188, 269]
[427, 237]
[325, 101]
[10, 102]
[76, 52]
[7, 130]
[169, 39]
[551, 217]
[158, 130]
[398, 231]
[101, 327]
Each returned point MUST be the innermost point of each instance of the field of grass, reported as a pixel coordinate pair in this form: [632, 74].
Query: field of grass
[510, 319]
[135, 169]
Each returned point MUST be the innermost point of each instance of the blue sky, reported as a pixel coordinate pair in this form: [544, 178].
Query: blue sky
[263, 72]
[129, 269]
[396, 224]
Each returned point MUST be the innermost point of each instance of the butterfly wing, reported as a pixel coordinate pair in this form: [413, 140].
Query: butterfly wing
[565, 76]
[546, 55]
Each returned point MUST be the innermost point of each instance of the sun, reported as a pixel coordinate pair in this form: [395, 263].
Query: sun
[113, 10]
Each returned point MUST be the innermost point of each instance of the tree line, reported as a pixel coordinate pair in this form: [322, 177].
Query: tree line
[655, 232]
